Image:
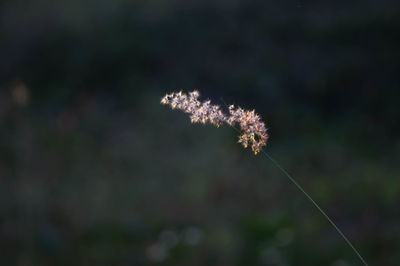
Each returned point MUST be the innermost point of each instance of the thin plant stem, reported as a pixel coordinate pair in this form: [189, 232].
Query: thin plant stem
[315, 204]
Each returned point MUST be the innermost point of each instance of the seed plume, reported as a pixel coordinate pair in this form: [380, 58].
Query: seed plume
[253, 130]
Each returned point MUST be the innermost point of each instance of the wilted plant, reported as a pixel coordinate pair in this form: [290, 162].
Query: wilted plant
[252, 133]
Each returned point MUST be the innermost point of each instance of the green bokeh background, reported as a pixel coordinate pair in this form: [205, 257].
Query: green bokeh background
[94, 171]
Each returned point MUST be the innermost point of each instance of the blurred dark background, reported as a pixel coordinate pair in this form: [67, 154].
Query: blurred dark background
[94, 171]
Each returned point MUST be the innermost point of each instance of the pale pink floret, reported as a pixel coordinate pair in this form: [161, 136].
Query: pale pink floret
[253, 130]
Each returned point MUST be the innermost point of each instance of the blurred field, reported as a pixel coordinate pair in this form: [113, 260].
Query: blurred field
[94, 171]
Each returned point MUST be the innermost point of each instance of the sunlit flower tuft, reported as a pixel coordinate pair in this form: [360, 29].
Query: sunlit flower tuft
[253, 130]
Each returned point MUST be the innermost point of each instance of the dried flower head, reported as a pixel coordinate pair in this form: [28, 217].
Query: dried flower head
[253, 130]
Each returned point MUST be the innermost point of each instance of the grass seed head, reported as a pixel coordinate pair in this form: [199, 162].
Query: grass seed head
[253, 130]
